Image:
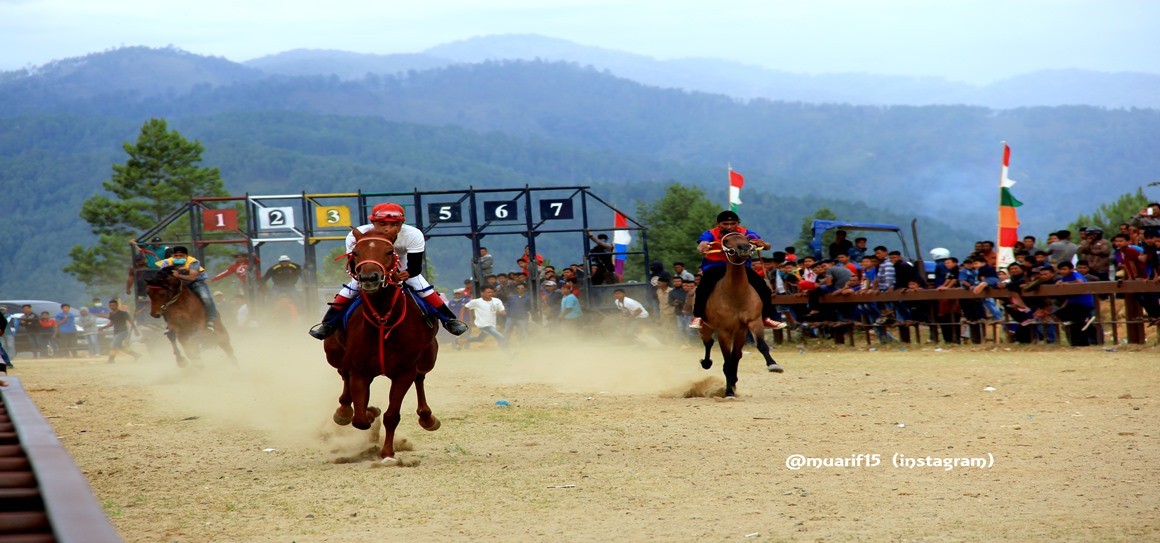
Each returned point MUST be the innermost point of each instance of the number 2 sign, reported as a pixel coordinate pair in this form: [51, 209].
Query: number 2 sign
[275, 218]
[219, 219]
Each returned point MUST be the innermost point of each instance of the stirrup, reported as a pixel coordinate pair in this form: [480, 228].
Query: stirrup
[695, 323]
[770, 323]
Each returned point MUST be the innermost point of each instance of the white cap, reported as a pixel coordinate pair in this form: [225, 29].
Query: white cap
[283, 258]
[940, 253]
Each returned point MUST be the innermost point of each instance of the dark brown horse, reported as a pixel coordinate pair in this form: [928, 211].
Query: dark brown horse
[385, 335]
[184, 313]
[734, 308]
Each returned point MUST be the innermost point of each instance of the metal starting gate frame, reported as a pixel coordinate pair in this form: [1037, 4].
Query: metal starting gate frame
[252, 221]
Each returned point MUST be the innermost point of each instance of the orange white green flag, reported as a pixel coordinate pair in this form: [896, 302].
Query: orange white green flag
[1008, 219]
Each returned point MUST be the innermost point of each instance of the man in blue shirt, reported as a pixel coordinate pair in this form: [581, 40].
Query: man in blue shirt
[66, 330]
[1076, 310]
[713, 267]
[570, 311]
[519, 312]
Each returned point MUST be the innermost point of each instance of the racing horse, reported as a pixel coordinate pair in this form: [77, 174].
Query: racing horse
[386, 334]
[185, 315]
[734, 308]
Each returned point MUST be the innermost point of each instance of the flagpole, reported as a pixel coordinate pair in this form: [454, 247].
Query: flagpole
[999, 208]
[729, 187]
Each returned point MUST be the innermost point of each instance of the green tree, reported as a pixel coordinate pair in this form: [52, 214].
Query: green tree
[161, 174]
[807, 233]
[1110, 216]
[674, 221]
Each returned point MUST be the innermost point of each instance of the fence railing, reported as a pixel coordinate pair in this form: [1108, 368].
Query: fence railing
[43, 496]
[1115, 292]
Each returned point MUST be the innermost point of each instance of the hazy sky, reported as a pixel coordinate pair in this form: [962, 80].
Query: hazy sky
[969, 40]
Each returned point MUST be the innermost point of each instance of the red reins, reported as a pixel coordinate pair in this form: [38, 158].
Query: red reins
[380, 320]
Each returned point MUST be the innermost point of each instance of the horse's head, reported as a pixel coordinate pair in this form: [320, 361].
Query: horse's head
[373, 260]
[163, 288]
[736, 247]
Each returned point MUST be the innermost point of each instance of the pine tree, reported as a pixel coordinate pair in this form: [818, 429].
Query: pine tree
[161, 173]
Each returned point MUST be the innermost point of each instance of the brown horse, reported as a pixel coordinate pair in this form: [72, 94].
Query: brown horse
[385, 335]
[734, 308]
[184, 313]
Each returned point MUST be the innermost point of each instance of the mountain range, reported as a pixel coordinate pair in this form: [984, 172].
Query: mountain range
[444, 118]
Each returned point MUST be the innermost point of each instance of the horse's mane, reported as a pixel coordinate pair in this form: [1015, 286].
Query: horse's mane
[162, 277]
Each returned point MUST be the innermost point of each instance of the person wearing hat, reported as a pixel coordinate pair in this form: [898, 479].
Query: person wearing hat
[713, 269]
[285, 275]
[189, 270]
[154, 251]
[410, 244]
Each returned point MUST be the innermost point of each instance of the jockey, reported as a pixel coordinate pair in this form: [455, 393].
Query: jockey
[713, 269]
[410, 245]
[189, 270]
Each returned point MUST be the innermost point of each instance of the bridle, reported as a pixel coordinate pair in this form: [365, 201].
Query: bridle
[387, 273]
[730, 252]
[166, 287]
[376, 319]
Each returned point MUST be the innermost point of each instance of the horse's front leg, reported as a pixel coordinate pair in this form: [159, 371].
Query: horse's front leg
[360, 395]
[181, 360]
[732, 355]
[426, 419]
[399, 387]
[758, 332]
[345, 413]
[707, 340]
[223, 341]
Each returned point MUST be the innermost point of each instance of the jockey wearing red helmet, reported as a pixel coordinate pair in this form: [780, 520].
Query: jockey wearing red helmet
[410, 244]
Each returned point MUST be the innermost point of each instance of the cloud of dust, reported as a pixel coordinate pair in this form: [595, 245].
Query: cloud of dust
[285, 392]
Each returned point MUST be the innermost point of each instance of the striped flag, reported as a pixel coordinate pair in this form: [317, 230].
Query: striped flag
[736, 181]
[1008, 219]
[621, 239]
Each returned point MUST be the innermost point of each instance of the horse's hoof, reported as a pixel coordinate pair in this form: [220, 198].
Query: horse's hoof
[706, 363]
[774, 368]
[435, 424]
[389, 461]
[374, 412]
[181, 362]
[341, 420]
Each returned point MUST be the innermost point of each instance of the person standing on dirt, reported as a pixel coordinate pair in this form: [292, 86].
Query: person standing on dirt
[285, 275]
[121, 321]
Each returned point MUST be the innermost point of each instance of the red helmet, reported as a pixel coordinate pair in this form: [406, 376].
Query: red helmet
[388, 211]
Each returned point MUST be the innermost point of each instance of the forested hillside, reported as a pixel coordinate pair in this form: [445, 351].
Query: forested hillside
[516, 123]
[49, 165]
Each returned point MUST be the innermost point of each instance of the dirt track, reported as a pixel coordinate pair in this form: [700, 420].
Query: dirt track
[597, 445]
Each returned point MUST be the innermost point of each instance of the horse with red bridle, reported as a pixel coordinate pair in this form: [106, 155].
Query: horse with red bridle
[185, 315]
[386, 335]
[732, 309]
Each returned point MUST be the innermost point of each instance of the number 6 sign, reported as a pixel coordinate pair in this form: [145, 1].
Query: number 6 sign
[501, 211]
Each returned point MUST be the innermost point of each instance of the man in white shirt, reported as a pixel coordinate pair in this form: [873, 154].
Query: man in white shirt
[410, 244]
[487, 309]
[630, 310]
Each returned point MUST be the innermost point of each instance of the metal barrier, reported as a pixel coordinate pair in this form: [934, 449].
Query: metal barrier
[43, 496]
[1134, 319]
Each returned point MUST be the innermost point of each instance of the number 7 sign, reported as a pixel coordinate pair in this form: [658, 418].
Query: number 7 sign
[219, 219]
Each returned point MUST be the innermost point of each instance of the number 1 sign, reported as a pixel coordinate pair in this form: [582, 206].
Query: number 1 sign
[219, 219]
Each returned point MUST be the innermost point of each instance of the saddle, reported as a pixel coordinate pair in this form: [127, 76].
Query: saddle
[429, 312]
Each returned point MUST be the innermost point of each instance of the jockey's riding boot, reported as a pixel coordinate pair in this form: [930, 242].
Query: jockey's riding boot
[770, 323]
[452, 324]
[695, 323]
[323, 329]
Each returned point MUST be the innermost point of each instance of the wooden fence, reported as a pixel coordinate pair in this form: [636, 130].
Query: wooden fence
[1115, 292]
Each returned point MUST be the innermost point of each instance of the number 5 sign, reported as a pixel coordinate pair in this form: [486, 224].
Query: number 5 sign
[219, 219]
[501, 211]
[275, 218]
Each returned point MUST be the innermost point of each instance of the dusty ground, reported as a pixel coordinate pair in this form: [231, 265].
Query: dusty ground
[595, 446]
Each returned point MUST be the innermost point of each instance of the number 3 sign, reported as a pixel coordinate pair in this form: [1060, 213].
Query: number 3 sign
[219, 219]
